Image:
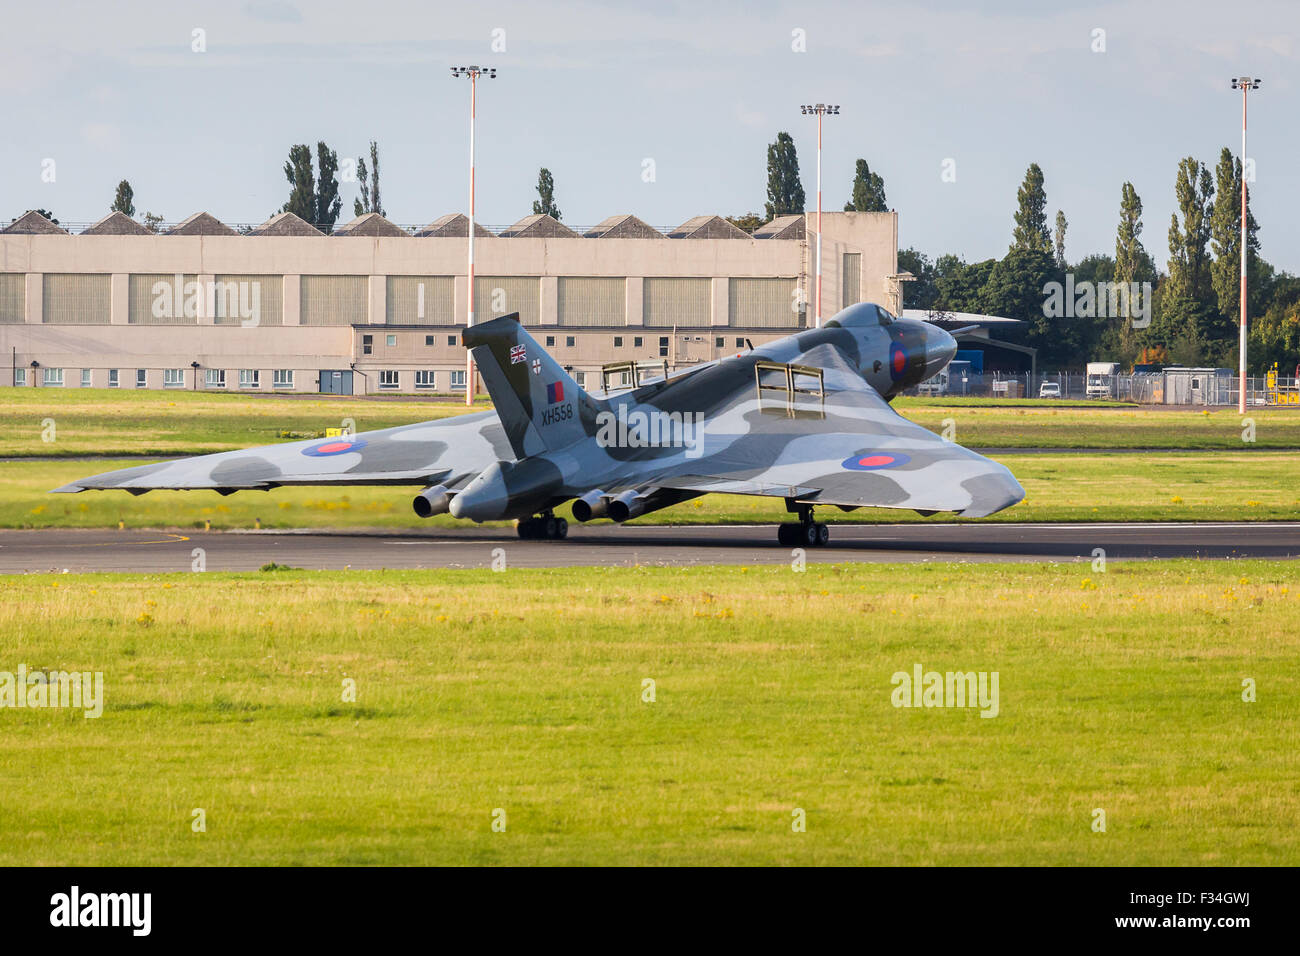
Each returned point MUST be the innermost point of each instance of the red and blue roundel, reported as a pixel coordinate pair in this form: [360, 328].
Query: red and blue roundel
[897, 361]
[335, 446]
[874, 461]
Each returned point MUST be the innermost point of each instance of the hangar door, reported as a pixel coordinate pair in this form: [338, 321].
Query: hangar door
[334, 382]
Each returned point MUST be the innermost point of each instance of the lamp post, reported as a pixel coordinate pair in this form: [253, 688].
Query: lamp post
[821, 109]
[1245, 84]
[473, 72]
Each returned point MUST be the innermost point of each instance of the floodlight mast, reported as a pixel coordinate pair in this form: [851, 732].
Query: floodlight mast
[1245, 84]
[473, 73]
[821, 109]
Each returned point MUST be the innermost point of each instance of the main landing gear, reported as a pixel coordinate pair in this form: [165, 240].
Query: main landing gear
[807, 533]
[544, 526]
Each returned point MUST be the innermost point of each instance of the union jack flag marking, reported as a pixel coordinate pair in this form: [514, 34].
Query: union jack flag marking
[518, 353]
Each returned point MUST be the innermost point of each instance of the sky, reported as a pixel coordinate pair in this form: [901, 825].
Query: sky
[604, 94]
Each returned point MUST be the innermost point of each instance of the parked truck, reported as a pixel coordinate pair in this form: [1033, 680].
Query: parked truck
[1101, 379]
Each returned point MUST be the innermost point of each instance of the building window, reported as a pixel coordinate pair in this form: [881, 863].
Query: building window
[20, 377]
[141, 378]
[388, 378]
[458, 381]
[250, 378]
[173, 378]
[112, 378]
[53, 378]
[719, 342]
[85, 378]
[740, 343]
[618, 341]
[569, 341]
[429, 340]
[580, 378]
[550, 341]
[367, 344]
[637, 342]
[282, 378]
[391, 341]
[663, 346]
[424, 378]
[451, 340]
[214, 378]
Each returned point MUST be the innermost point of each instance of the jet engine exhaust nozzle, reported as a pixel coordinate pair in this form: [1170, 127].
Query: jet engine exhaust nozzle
[591, 505]
[432, 501]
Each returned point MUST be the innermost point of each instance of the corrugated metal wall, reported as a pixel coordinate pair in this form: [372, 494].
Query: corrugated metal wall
[334, 300]
[403, 306]
[676, 301]
[234, 295]
[13, 297]
[762, 303]
[147, 294]
[501, 295]
[851, 279]
[591, 301]
[76, 299]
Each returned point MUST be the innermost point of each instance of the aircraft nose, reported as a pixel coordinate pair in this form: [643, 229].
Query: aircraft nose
[940, 347]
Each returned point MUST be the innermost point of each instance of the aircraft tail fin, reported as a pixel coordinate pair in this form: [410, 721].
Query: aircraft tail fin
[540, 406]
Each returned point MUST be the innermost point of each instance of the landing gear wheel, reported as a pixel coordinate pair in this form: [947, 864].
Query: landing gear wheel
[788, 534]
[546, 527]
[809, 534]
[823, 534]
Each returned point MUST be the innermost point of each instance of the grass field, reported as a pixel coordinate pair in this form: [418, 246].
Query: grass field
[129, 422]
[1119, 691]
[112, 422]
[1217, 486]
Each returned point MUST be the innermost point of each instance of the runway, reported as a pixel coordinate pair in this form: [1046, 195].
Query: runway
[76, 550]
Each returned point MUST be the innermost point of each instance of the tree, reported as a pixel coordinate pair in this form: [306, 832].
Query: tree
[923, 293]
[1031, 216]
[1188, 260]
[1132, 263]
[1189, 315]
[1225, 236]
[784, 188]
[44, 212]
[124, 201]
[328, 203]
[1061, 226]
[868, 191]
[152, 223]
[369, 201]
[302, 197]
[545, 204]
[747, 223]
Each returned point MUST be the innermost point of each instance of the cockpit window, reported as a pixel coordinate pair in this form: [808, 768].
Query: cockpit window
[864, 313]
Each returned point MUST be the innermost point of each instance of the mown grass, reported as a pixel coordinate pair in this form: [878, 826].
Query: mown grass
[523, 691]
[1210, 486]
[129, 422]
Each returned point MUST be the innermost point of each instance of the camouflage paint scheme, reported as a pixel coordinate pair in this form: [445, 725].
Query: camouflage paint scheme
[542, 444]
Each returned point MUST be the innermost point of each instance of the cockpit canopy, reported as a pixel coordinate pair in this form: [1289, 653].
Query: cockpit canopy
[864, 313]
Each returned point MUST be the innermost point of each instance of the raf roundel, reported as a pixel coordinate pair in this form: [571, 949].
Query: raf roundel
[334, 446]
[897, 361]
[874, 461]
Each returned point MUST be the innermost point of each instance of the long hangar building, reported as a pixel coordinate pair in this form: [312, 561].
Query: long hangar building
[378, 308]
